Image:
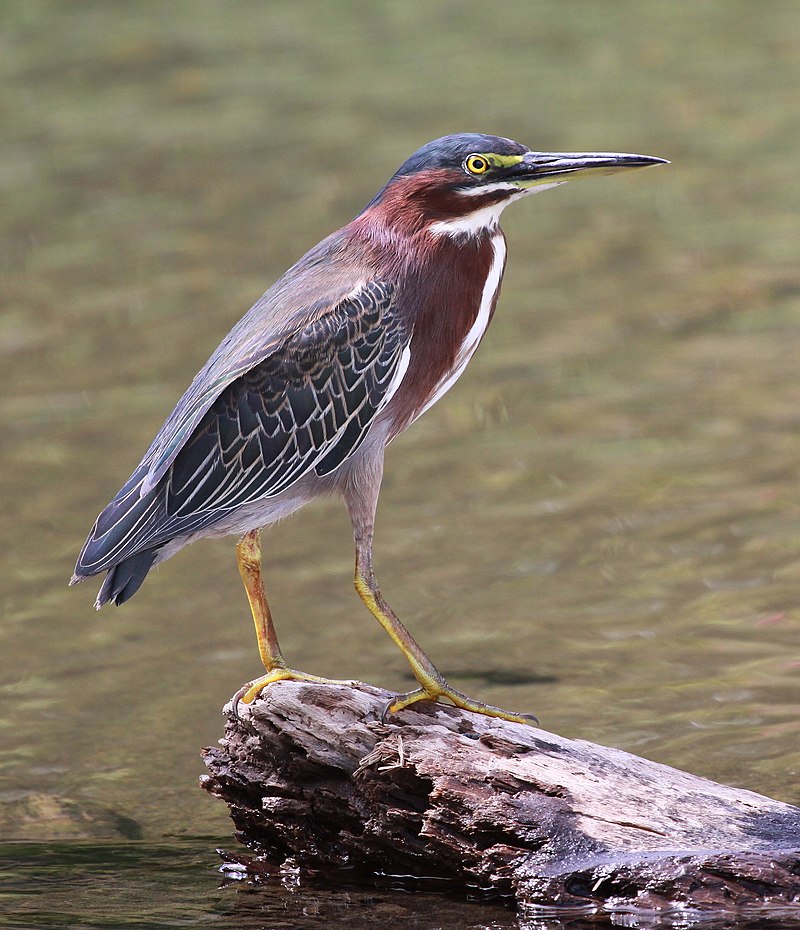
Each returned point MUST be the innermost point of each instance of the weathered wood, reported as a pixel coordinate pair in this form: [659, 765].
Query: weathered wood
[310, 774]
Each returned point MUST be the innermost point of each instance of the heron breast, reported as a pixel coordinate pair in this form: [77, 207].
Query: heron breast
[454, 312]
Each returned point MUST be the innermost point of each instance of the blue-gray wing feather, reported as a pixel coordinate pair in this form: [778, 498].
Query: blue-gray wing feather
[307, 405]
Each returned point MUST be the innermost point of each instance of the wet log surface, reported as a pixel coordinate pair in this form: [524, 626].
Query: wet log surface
[311, 776]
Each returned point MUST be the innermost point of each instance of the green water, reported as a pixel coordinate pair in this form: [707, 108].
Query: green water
[599, 524]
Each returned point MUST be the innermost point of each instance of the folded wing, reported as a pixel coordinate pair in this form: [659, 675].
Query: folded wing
[306, 405]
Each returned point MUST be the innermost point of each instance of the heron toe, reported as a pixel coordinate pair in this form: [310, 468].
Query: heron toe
[250, 691]
[442, 689]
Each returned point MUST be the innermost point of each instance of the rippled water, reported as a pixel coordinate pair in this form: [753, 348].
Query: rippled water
[600, 522]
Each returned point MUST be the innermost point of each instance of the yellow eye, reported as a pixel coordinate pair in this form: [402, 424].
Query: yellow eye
[476, 164]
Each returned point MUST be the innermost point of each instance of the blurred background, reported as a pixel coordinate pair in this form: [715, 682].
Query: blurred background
[599, 524]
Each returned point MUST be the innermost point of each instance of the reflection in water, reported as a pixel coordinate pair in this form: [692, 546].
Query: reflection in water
[79, 885]
[600, 519]
[82, 886]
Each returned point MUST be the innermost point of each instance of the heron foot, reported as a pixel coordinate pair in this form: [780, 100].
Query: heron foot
[441, 689]
[250, 691]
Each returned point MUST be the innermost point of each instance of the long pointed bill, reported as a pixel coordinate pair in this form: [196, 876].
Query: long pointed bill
[550, 168]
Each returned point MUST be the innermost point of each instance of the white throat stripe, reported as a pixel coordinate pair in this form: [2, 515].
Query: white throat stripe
[485, 218]
[473, 224]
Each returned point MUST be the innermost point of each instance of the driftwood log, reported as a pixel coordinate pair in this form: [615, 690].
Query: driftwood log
[311, 776]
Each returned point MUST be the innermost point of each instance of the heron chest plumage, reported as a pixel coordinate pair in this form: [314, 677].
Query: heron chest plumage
[452, 302]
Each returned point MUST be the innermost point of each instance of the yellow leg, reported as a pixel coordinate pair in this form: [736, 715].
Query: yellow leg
[248, 556]
[432, 685]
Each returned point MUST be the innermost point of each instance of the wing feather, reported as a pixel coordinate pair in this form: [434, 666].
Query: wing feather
[307, 405]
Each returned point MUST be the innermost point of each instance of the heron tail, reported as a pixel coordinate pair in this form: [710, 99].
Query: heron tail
[125, 578]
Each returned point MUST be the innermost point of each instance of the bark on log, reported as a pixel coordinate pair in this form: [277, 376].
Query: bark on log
[311, 775]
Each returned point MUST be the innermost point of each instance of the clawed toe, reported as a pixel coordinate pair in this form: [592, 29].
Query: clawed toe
[250, 691]
[459, 700]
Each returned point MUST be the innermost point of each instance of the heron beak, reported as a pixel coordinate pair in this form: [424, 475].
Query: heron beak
[537, 168]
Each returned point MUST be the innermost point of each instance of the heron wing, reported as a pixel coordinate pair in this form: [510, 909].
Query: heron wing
[306, 404]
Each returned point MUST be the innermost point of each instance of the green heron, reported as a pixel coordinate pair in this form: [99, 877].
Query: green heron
[347, 349]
